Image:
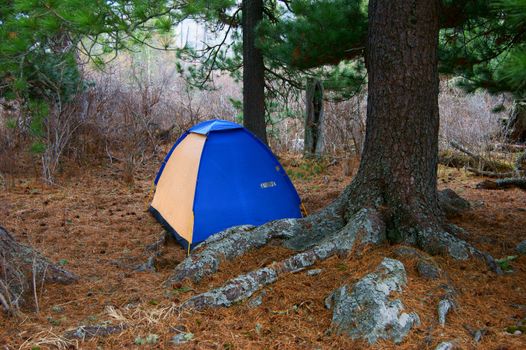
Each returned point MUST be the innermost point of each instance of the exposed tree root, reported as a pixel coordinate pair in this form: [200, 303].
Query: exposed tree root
[236, 241]
[318, 237]
[22, 267]
[365, 227]
[87, 332]
[367, 310]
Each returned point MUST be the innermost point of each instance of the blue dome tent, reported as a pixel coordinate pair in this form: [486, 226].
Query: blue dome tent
[218, 175]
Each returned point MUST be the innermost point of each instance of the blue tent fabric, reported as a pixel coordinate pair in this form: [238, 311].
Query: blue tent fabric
[214, 125]
[202, 128]
[239, 182]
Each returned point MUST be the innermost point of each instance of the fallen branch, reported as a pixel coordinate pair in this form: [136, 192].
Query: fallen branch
[518, 162]
[462, 149]
[507, 147]
[501, 184]
[490, 173]
[476, 163]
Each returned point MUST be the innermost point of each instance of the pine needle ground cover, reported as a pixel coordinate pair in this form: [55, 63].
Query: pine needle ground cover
[98, 228]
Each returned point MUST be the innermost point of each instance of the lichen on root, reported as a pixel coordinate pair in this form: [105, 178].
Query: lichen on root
[312, 234]
[366, 227]
[345, 227]
[365, 310]
[236, 241]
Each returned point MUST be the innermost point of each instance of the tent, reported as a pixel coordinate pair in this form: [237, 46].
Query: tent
[218, 175]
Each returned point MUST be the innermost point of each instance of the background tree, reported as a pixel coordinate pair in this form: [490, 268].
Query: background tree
[314, 119]
[253, 71]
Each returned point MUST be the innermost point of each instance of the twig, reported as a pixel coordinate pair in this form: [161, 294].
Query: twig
[4, 303]
[42, 281]
[37, 309]
[6, 299]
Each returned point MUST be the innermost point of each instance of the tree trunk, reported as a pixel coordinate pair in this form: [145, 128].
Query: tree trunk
[400, 156]
[21, 268]
[253, 71]
[314, 119]
[516, 126]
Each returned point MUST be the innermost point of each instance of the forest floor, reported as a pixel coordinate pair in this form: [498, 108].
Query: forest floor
[98, 227]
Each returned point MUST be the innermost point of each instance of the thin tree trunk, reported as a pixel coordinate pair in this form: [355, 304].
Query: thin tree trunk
[253, 71]
[516, 127]
[314, 119]
[400, 155]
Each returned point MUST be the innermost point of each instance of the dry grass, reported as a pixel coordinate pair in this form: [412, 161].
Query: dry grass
[99, 228]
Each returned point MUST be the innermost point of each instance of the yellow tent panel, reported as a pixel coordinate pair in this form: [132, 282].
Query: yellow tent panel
[174, 196]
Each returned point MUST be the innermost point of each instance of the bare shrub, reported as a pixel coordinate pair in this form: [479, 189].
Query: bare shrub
[140, 102]
[61, 125]
[469, 118]
[345, 126]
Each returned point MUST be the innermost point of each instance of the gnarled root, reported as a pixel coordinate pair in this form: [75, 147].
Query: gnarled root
[21, 266]
[441, 242]
[236, 241]
[365, 227]
[329, 232]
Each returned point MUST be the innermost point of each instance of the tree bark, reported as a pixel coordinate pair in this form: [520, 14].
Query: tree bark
[253, 71]
[314, 118]
[400, 156]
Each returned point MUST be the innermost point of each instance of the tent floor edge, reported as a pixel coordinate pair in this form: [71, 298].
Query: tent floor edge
[183, 242]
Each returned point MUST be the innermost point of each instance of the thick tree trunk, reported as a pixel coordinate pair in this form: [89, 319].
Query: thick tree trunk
[253, 71]
[400, 156]
[314, 118]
